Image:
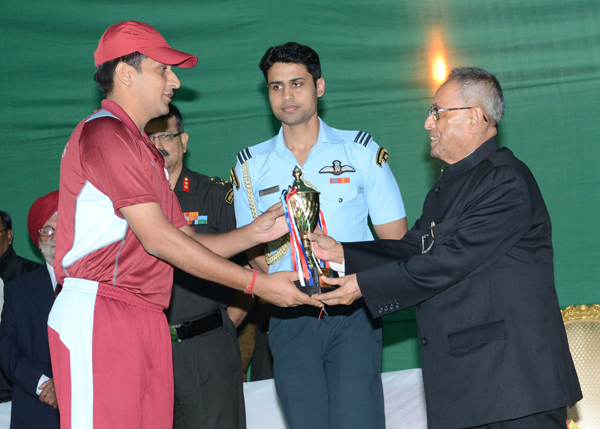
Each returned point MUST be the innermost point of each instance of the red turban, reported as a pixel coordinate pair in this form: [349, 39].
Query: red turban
[42, 209]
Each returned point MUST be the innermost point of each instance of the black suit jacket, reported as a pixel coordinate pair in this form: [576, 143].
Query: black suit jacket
[11, 266]
[493, 345]
[24, 350]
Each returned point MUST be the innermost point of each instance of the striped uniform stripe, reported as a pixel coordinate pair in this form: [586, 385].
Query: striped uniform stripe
[363, 138]
[244, 156]
[71, 323]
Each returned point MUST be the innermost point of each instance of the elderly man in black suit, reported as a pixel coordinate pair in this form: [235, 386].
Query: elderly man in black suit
[478, 267]
[24, 350]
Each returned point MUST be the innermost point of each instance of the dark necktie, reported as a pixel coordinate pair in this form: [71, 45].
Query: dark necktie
[57, 290]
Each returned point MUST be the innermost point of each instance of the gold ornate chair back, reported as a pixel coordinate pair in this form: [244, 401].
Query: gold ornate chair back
[582, 324]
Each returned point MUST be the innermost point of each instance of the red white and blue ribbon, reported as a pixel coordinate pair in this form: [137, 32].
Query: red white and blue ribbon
[299, 258]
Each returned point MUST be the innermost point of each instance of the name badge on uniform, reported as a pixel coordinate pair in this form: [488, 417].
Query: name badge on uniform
[193, 218]
[268, 191]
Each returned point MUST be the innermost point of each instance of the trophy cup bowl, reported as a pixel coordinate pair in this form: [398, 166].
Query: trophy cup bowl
[305, 210]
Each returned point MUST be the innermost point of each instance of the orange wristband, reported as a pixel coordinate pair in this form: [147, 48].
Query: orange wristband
[251, 285]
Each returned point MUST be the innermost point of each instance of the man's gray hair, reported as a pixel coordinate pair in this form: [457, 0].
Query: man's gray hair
[480, 88]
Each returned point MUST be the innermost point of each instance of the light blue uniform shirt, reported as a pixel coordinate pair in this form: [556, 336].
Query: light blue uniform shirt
[347, 167]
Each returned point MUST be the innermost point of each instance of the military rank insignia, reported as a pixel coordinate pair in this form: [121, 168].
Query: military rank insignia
[362, 138]
[186, 184]
[382, 156]
[193, 218]
[234, 179]
[229, 197]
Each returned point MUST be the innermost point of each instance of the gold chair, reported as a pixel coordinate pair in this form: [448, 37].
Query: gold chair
[582, 324]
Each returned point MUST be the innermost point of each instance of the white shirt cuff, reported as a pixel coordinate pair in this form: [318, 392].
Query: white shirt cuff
[340, 268]
[43, 379]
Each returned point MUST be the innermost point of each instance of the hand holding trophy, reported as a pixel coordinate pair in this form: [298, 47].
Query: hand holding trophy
[303, 214]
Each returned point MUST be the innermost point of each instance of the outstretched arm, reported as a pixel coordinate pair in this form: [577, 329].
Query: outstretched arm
[161, 239]
[494, 220]
[267, 227]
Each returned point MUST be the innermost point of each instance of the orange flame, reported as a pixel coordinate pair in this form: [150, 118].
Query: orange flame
[438, 60]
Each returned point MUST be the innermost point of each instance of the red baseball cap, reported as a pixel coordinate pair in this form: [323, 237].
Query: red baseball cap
[128, 37]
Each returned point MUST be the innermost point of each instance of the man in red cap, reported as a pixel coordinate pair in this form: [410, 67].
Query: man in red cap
[24, 351]
[121, 230]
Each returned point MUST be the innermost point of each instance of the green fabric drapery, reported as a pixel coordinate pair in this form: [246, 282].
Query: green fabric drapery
[376, 59]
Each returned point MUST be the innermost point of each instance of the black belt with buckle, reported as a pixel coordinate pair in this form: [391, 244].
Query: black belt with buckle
[187, 330]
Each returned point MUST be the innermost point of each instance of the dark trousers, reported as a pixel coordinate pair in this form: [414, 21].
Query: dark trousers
[262, 359]
[328, 371]
[553, 419]
[208, 380]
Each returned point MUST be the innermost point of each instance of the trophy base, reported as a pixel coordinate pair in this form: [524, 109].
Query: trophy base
[322, 287]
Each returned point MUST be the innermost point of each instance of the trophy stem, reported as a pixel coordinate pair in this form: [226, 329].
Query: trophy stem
[312, 261]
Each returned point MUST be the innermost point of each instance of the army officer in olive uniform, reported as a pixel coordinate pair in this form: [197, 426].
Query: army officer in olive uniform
[206, 355]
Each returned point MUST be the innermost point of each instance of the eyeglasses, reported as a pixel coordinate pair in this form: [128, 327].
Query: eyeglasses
[166, 137]
[46, 231]
[436, 112]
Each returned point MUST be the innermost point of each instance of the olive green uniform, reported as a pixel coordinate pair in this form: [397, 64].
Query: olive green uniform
[207, 367]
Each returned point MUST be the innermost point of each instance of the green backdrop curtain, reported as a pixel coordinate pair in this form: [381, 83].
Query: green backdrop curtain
[376, 58]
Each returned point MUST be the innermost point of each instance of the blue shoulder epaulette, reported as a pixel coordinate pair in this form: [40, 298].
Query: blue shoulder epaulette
[362, 138]
[244, 155]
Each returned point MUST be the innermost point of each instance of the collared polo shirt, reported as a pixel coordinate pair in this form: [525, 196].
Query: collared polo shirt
[348, 169]
[108, 164]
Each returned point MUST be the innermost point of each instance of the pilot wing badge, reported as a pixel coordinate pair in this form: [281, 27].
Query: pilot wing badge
[337, 168]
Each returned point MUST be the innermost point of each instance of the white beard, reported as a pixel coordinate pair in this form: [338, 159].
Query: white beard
[48, 249]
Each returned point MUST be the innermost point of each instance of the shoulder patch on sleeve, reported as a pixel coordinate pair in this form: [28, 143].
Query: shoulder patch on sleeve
[234, 179]
[244, 155]
[362, 138]
[382, 156]
[217, 181]
[229, 197]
